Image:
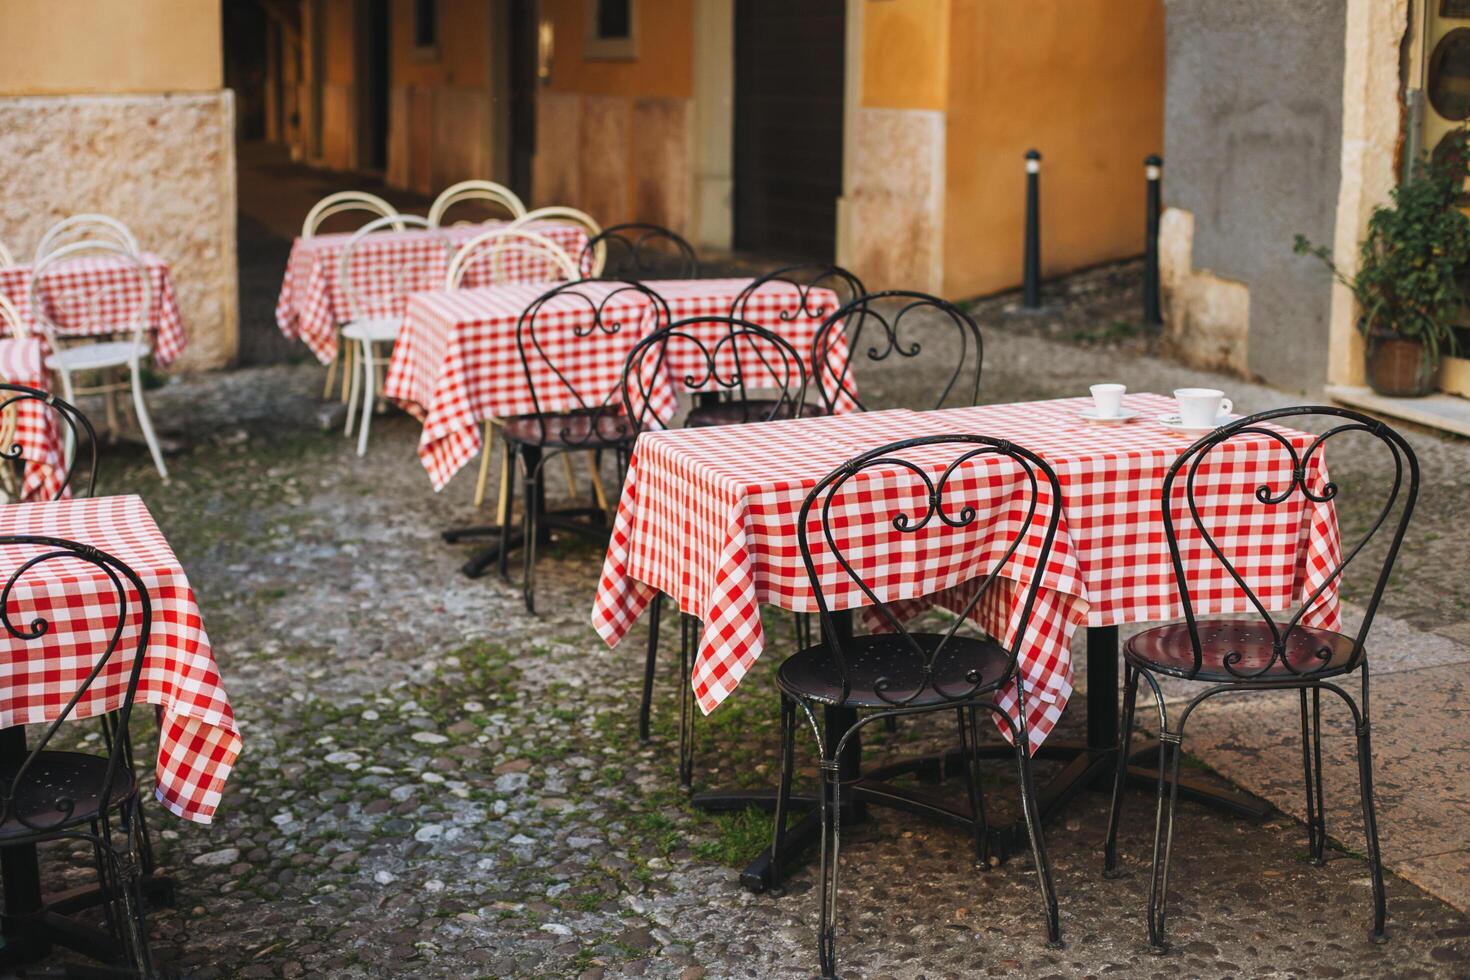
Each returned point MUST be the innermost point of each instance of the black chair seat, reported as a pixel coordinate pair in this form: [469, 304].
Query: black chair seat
[751, 410]
[572, 430]
[813, 674]
[57, 780]
[1168, 650]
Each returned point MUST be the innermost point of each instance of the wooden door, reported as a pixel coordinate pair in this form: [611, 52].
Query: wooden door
[789, 63]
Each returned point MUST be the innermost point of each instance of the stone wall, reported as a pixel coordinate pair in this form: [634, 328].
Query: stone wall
[162, 164]
[891, 217]
[1252, 150]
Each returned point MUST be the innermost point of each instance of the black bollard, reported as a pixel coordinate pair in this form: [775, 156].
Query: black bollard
[1153, 171]
[1031, 267]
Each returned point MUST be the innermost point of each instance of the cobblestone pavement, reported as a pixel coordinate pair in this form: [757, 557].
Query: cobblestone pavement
[435, 784]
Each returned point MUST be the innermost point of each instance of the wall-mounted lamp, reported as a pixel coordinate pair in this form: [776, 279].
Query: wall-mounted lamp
[545, 48]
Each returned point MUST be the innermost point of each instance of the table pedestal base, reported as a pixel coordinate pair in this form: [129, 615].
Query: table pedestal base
[1085, 768]
[33, 934]
[565, 519]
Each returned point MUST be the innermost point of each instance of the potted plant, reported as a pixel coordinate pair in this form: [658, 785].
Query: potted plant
[1407, 284]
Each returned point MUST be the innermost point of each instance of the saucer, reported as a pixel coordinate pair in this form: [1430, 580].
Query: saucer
[1091, 416]
[1172, 420]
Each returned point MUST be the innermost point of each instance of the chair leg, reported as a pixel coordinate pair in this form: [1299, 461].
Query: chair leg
[689, 634]
[1370, 825]
[969, 745]
[69, 443]
[134, 931]
[348, 353]
[144, 422]
[369, 395]
[487, 443]
[783, 788]
[350, 385]
[1168, 800]
[530, 487]
[831, 803]
[507, 500]
[332, 371]
[1035, 831]
[645, 706]
[1312, 777]
[1125, 746]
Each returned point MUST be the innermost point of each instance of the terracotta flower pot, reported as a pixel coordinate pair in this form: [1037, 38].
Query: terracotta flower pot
[1398, 366]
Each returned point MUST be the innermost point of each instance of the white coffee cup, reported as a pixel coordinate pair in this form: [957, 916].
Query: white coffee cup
[1107, 400]
[1200, 407]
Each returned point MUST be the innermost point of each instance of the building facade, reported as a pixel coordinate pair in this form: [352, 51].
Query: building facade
[888, 135]
[120, 108]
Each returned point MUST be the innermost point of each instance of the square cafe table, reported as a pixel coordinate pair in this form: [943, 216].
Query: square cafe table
[708, 517]
[83, 300]
[456, 363]
[310, 305]
[198, 740]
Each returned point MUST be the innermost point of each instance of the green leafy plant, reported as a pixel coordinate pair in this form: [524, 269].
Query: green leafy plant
[1407, 281]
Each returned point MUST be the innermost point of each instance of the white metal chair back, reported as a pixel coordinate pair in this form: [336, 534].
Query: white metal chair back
[342, 202]
[515, 255]
[388, 283]
[571, 216]
[114, 293]
[6, 259]
[10, 322]
[87, 228]
[476, 190]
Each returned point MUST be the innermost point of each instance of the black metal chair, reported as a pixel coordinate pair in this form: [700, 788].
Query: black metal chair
[48, 794]
[595, 424]
[900, 323]
[12, 395]
[903, 673]
[743, 356]
[637, 250]
[806, 277]
[1260, 652]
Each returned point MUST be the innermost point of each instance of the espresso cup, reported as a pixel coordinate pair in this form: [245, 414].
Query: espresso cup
[1200, 407]
[1107, 400]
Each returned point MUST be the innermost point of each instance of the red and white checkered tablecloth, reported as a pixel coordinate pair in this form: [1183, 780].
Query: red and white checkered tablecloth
[94, 296]
[198, 740]
[310, 305]
[456, 362]
[38, 431]
[708, 516]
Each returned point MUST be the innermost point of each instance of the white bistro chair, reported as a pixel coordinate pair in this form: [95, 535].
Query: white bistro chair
[342, 202]
[513, 255]
[367, 326]
[571, 216]
[87, 228]
[11, 324]
[476, 190]
[6, 259]
[129, 347]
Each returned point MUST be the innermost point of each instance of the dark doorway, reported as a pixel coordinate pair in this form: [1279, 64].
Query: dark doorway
[373, 110]
[789, 63]
[524, 45]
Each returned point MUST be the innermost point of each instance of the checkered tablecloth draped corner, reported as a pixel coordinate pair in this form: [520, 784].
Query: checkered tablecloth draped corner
[96, 296]
[198, 739]
[311, 304]
[38, 430]
[456, 362]
[708, 517]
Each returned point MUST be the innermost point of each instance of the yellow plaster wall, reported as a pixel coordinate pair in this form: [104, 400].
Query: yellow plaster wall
[663, 68]
[463, 57]
[62, 47]
[905, 54]
[1080, 80]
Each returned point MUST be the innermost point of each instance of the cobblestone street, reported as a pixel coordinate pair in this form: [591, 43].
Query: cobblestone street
[435, 784]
